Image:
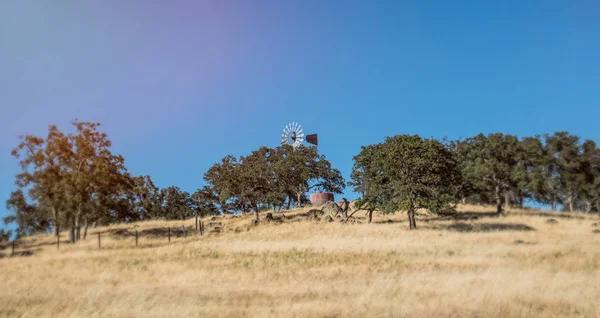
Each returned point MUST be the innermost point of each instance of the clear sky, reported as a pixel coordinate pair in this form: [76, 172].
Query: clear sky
[178, 85]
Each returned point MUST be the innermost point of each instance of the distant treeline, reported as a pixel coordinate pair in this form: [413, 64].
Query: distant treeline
[70, 181]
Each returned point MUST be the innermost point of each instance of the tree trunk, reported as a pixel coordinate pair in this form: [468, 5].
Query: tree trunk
[588, 206]
[85, 229]
[370, 215]
[289, 203]
[256, 213]
[55, 220]
[571, 201]
[507, 199]
[498, 200]
[77, 225]
[411, 219]
[72, 232]
[521, 198]
[77, 230]
[553, 203]
[299, 198]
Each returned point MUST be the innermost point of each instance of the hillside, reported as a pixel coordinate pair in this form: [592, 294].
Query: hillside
[518, 265]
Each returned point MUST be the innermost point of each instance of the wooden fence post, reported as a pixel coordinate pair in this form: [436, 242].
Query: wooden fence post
[13, 249]
[58, 241]
[196, 222]
[169, 234]
[136, 238]
[201, 227]
[99, 247]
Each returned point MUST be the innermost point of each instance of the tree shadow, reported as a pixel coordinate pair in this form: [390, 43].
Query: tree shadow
[388, 221]
[4, 245]
[162, 232]
[465, 216]
[28, 252]
[559, 215]
[485, 227]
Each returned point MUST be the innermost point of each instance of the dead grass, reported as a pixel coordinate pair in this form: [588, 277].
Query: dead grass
[513, 266]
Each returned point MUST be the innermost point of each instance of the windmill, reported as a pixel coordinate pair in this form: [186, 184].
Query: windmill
[294, 135]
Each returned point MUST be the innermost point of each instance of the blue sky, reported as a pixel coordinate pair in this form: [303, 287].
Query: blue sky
[178, 85]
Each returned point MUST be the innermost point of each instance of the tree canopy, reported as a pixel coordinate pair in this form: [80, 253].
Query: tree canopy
[70, 180]
[271, 177]
[407, 173]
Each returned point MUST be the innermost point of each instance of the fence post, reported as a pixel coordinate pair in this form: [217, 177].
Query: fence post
[99, 241]
[58, 241]
[196, 222]
[136, 238]
[169, 234]
[183, 229]
[201, 227]
[13, 249]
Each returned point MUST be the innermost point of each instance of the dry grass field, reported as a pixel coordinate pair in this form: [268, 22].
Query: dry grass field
[518, 265]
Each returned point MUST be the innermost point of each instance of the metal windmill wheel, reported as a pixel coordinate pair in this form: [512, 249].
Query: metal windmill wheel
[294, 135]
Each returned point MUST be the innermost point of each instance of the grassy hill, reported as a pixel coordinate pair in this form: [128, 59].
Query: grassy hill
[519, 265]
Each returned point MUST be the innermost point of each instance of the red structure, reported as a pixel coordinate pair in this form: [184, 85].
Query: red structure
[321, 198]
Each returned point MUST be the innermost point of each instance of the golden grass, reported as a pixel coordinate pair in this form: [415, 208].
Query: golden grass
[316, 269]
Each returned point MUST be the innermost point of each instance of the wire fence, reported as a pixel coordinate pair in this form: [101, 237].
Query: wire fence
[155, 233]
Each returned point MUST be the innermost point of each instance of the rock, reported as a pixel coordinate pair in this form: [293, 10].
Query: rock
[214, 218]
[328, 219]
[269, 217]
[519, 242]
[315, 212]
[551, 221]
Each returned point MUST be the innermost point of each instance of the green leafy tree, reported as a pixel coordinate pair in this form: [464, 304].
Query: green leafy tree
[268, 176]
[5, 235]
[30, 218]
[256, 179]
[589, 191]
[565, 152]
[224, 184]
[407, 173]
[368, 179]
[146, 198]
[204, 202]
[177, 204]
[303, 169]
[491, 166]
